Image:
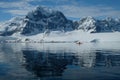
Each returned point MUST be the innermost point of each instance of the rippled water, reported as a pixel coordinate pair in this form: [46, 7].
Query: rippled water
[60, 61]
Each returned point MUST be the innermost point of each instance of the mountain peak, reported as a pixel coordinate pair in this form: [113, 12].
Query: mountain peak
[89, 17]
[87, 23]
[16, 19]
[43, 18]
[40, 12]
[44, 9]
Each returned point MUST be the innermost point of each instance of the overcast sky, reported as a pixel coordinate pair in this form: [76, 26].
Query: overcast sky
[73, 9]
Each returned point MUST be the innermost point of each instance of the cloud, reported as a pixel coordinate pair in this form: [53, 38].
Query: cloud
[13, 4]
[18, 12]
[71, 8]
[82, 11]
[16, 8]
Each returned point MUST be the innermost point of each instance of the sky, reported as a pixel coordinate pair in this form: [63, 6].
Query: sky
[72, 9]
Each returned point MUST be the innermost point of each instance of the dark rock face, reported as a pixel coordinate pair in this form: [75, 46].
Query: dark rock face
[108, 25]
[42, 19]
[50, 65]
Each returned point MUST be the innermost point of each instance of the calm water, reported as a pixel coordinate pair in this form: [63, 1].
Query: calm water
[60, 61]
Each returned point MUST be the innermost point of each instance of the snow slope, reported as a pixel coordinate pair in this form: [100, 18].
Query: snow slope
[81, 36]
[108, 24]
[72, 36]
[12, 26]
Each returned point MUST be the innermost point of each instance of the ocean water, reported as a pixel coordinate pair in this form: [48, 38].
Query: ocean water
[60, 61]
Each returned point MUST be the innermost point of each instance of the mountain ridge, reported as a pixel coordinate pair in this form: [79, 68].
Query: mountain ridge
[43, 19]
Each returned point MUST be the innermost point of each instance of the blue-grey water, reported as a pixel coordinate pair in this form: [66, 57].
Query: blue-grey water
[60, 61]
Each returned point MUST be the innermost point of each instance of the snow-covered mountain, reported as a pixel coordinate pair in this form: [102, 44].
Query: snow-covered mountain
[40, 20]
[96, 25]
[108, 25]
[87, 24]
[45, 20]
[12, 26]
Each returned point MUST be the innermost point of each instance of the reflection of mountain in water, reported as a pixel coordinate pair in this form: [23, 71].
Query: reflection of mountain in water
[60, 60]
[47, 62]
[107, 60]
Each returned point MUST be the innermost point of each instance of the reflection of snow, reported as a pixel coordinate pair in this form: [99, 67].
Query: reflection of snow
[86, 53]
[11, 56]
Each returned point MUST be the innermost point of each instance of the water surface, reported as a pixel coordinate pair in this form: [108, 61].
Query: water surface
[60, 61]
